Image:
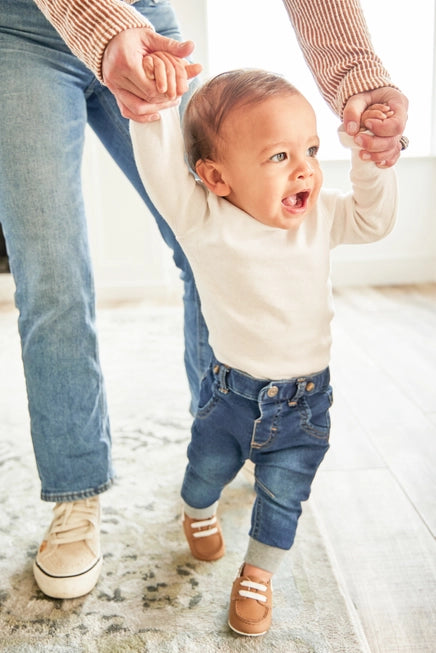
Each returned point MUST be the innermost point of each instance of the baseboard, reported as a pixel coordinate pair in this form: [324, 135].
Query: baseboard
[7, 288]
[155, 293]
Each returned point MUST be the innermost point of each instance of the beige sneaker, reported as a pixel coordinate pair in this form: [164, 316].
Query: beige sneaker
[204, 537]
[68, 562]
[250, 610]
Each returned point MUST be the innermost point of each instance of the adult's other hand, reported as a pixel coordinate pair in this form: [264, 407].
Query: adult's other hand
[139, 97]
[383, 145]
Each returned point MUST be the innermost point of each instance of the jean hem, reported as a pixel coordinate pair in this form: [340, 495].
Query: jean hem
[63, 497]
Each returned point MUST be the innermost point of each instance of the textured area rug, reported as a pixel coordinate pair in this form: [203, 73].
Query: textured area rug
[152, 595]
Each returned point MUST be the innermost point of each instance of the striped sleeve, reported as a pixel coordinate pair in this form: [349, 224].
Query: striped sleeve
[336, 44]
[87, 26]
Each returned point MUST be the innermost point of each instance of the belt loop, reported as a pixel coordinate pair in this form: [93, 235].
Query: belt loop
[222, 373]
[299, 392]
[301, 387]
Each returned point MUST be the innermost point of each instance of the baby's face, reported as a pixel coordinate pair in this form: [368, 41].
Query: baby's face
[268, 159]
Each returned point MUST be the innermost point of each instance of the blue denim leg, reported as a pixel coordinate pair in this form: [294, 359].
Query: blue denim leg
[113, 130]
[47, 95]
[283, 426]
[220, 441]
[41, 142]
[289, 442]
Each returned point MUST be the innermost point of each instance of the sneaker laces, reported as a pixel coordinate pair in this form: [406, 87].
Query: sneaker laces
[204, 525]
[253, 586]
[74, 521]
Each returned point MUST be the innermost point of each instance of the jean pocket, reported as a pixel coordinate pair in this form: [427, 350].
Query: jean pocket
[209, 395]
[315, 415]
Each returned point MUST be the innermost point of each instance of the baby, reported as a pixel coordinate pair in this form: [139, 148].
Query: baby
[258, 227]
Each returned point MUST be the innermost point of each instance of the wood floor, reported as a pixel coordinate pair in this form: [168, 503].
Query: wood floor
[375, 495]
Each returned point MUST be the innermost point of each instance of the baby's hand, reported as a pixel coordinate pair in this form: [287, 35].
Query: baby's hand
[375, 111]
[170, 73]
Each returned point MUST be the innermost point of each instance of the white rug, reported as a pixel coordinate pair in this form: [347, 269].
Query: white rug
[152, 595]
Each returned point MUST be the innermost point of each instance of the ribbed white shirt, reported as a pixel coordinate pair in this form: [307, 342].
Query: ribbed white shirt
[265, 292]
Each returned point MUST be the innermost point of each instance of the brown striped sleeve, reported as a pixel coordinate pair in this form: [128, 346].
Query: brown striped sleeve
[335, 41]
[87, 26]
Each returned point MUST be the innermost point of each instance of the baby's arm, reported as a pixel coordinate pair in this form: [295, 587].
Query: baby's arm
[170, 73]
[368, 212]
[159, 154]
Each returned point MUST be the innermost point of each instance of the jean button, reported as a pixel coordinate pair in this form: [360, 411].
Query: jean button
[272, 391]
[216, 369]
[310, 386]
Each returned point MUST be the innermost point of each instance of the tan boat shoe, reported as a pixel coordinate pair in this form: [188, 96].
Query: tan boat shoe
[204, 537]
[250, 610]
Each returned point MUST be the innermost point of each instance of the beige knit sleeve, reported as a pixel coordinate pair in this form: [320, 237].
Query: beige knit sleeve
[336, 44]
[87, 26]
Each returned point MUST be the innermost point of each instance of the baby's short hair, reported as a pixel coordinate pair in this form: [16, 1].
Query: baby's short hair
[214, 100]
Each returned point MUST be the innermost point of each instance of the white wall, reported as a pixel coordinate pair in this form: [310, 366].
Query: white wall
[408, 254]
[130, 258]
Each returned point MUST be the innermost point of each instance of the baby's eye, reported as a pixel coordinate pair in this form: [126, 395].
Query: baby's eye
[281, 156]
[313, 151]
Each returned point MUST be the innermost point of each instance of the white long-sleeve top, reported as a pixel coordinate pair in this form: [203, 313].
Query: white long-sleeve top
[265, 292]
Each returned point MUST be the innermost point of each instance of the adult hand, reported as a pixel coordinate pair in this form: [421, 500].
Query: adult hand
[383, 147]
[138, 97]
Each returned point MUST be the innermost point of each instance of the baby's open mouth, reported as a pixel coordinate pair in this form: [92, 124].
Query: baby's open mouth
[297, 201]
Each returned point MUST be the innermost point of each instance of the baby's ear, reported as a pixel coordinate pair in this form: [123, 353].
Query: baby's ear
[210, 174]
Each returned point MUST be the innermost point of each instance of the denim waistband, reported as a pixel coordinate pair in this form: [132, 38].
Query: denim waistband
[267, 390]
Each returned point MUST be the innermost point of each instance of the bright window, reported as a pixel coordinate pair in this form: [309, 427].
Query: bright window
[253, 33]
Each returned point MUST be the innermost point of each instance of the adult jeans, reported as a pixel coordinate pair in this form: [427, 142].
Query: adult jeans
[282, 426]
[48, 97]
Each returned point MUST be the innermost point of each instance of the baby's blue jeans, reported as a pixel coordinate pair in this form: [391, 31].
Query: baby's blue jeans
[282, 426]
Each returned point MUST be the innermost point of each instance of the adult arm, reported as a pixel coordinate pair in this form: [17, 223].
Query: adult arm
[87, 26]
[111, 38]
[335, 42]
